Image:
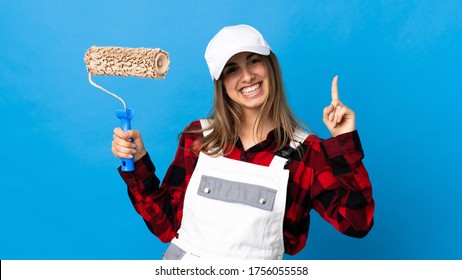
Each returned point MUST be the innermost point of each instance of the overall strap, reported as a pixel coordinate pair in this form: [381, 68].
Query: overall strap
[299, 137]
[204, 124]
[282, 157]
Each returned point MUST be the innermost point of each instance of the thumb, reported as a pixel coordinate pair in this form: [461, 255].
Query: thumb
[132, 134]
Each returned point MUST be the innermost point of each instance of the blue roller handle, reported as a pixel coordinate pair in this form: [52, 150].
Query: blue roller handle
[125, 116]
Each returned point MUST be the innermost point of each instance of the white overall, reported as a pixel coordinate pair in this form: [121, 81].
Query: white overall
[232, 210]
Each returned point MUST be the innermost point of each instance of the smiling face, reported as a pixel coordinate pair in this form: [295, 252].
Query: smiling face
[245, 79]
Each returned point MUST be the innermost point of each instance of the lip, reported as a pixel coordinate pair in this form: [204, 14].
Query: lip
[253, 93]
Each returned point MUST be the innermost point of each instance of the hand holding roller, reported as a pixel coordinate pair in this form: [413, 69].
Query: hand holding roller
[118, 61]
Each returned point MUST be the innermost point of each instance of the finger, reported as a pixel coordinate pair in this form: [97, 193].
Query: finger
[120, 133]
[122, 142]
[129, 134]
[334, 90]
[133, 134]
[114, 151]
[124, 147]
[339, 114]
[327, 113]
[122, 152]
[122, 155]
[332, 116]
[118, 154]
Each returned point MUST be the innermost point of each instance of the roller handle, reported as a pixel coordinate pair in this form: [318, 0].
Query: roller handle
[127, 164]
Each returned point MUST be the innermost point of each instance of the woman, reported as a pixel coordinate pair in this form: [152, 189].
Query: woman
[244, 180]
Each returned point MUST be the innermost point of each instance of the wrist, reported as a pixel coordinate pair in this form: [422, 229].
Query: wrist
[139, 155]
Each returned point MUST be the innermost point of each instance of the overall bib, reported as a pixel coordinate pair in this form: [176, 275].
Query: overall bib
[232, 210]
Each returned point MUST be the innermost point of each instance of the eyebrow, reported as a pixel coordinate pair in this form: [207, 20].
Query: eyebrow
[233, 63]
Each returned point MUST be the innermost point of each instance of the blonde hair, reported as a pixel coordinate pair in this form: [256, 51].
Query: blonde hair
[226, 116]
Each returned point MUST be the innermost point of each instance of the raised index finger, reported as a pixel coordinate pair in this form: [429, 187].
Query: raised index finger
[335, 89]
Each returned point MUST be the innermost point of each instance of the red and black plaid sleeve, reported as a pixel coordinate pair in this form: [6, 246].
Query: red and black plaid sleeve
[161, 205]
[341, 174]
[332, 180]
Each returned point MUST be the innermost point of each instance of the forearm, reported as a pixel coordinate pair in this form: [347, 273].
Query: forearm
[345, 188]
[143, 180]
[150, 201]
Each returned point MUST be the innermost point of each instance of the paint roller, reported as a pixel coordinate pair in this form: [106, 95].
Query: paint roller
[120, 61]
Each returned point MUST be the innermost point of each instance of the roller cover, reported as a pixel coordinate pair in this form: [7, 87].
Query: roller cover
[119, 61]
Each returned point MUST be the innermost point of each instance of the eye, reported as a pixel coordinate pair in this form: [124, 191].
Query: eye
[255, 60]
[230, 70]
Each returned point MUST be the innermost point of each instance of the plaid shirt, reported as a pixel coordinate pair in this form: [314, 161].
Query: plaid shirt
[329, 177]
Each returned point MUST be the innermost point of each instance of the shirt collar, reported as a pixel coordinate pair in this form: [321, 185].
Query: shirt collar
[270, 140]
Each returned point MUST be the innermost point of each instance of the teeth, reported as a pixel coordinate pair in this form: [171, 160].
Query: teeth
[248, 90]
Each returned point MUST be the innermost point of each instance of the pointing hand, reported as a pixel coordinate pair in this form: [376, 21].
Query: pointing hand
[337, 117]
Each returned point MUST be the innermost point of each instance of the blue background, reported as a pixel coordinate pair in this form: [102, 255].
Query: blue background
[399, 67]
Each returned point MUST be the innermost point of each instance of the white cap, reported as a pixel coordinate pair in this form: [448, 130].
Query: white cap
[232, 40]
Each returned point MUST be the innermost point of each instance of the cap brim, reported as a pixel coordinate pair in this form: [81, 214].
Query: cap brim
[254, 49]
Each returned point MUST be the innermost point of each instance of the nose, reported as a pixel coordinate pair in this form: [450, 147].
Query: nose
[247, 75]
